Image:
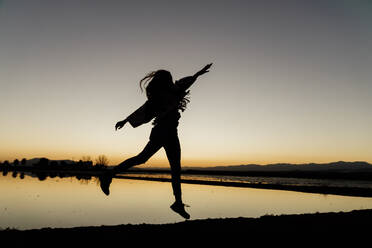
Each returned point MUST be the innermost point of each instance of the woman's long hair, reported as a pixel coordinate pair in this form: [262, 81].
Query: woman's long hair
[156, 83]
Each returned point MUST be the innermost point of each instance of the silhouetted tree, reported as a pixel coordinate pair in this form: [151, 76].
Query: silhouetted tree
[52, 174]
[53, 164]
[43, 162]
[61, 175]
[41, 176]
[86, 158]
[6, 163]
[23, 161]
[86, 161]
[102, 161]
[16, 162]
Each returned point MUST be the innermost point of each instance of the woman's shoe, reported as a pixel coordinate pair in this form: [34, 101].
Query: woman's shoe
[179, 208]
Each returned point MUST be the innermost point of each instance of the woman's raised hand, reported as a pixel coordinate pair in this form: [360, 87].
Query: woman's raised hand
[204, 70]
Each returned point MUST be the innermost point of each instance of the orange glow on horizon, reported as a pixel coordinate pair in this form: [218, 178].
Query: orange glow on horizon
[161, 161]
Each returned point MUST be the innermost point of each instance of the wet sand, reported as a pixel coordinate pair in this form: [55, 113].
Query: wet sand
[330, 227]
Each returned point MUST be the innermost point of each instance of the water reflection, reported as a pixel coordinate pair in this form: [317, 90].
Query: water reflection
[43, 175]
[56, 199]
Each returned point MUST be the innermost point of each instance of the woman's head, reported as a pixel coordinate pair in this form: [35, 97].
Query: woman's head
[157, 82]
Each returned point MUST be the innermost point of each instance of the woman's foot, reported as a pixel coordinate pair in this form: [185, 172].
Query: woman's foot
[179, 208]
[105, 181]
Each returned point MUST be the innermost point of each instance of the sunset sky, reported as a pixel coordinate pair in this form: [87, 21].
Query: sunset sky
[291, 80]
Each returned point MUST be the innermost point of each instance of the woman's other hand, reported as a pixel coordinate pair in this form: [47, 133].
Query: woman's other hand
[120, 124]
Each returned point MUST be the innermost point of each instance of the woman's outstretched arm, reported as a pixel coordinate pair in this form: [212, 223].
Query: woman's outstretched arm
[141, 116]
[186, 82]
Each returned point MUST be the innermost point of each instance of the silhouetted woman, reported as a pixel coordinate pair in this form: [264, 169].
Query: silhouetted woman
[165, 100]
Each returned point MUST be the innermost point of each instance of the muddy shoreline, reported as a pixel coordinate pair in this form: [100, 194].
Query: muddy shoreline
[342, 225]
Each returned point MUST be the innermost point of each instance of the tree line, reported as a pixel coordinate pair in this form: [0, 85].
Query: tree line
[84, 163]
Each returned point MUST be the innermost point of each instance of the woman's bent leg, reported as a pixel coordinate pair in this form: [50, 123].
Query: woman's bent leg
[150, 149]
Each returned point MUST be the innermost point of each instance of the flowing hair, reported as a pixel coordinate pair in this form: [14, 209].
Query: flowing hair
[144, 81]
[161, 80]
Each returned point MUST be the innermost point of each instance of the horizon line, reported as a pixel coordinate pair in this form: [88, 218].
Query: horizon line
[201, 166]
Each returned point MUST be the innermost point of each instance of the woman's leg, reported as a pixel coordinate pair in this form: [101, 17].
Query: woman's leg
[150, 149]
[173, 150]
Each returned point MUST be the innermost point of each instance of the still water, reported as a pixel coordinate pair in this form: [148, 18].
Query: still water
[29, 203]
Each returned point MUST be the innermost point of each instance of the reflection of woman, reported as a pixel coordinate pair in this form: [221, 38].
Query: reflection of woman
[165, 99]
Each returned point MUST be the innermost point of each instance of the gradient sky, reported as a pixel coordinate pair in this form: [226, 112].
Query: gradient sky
[291, 80]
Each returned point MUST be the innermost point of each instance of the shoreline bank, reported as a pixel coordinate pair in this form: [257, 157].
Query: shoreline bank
[353, 224]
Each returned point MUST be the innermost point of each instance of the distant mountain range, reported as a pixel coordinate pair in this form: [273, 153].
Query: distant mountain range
[340, 166]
